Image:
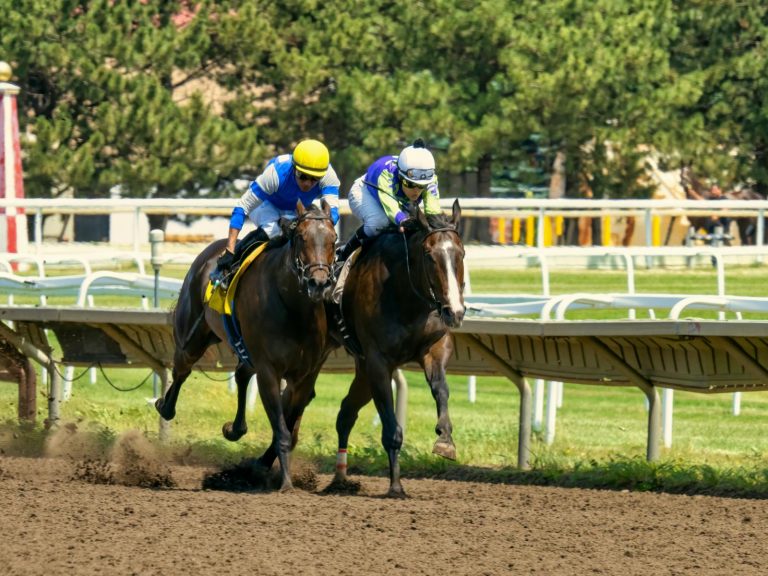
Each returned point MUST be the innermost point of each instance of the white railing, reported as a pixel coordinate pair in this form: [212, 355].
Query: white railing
[84, 287]
[544, 416]
[138, 209]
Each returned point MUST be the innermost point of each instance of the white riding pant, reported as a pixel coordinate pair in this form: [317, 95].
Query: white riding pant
[367, 208]
[267, 216]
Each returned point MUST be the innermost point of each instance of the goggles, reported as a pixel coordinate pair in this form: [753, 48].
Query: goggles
[306, 177]
[418, 174]
[408, 184]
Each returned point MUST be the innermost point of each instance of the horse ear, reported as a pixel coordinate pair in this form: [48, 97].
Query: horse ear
[456, 216]
[326, 207]
[286, 226]
[300, 208]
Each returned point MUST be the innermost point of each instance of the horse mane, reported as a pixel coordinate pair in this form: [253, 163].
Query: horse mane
[288, 227]
[439, 221]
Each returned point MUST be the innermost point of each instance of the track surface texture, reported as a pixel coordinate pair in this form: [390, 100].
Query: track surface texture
[131, 514]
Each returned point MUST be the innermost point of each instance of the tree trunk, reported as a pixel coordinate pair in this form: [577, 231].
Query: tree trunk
[482, 232]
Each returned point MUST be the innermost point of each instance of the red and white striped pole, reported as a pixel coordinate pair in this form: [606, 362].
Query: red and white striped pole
[13, 222]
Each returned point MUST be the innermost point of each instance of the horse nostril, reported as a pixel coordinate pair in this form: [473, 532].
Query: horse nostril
[451, 317]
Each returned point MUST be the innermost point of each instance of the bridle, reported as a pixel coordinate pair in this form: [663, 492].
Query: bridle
[433, 301]
[304, 271]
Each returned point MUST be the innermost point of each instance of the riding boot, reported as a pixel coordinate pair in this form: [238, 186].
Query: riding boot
[228, 263]
[357, 240]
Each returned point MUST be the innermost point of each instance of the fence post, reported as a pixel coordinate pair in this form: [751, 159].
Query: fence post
[156, 238]
[13, 225]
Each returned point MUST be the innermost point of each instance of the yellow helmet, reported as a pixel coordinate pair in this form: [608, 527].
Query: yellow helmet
[311, 157]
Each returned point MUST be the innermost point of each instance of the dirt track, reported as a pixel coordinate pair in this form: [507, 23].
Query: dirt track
[79, 516]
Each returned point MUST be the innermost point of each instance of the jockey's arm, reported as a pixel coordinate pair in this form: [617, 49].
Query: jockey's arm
[247, 203]
[329, 189]
[232, 239]
[431, 199]
[391, 206]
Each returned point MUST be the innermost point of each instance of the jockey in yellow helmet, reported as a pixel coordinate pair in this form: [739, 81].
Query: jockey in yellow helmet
[304, 175]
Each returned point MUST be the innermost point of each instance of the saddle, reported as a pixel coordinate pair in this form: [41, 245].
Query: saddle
[220, 299]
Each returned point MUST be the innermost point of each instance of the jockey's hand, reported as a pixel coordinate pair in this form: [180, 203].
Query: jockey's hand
[407, 224]
[225, 261]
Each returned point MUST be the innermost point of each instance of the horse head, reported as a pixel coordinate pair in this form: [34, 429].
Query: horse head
[313, 239]
[442, 260]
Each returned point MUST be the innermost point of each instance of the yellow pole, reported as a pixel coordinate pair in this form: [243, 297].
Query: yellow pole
[530, 230]
[606, 230]
[516, 231]
[546, 221]
[501, 228]
[655, 230]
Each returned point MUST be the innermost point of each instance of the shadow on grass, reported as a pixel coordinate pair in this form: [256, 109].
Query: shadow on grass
[633, 474]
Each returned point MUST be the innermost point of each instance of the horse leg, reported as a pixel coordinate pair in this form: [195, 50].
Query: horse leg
[183, 360]
[233, 431]
[358, 396]
[295, 402]
[434, 363]
[379, 378]
[192, 340]
[269, 392]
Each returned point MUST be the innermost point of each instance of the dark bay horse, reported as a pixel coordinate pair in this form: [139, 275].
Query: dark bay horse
[401, 296]
[280, 308]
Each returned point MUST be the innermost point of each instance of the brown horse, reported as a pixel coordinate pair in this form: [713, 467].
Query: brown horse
[695, 189]
[401, 296]
[280, 308]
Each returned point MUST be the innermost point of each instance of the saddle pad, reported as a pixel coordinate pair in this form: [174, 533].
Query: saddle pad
[338, 288]
[221, 301]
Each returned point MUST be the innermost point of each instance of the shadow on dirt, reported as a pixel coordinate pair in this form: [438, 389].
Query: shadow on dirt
[248, 476]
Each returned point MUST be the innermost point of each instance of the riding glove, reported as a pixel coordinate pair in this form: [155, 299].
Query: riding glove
[225, 261]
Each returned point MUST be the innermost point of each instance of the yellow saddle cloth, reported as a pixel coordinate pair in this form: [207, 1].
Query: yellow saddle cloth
[220, 300]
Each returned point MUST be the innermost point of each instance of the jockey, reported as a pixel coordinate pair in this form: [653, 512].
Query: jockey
[385, 193]
[304, 175]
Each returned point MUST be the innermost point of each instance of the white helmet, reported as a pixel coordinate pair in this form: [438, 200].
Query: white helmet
[416, 164]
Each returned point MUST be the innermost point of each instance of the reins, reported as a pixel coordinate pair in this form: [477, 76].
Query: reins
[304, 271]
[435, 302]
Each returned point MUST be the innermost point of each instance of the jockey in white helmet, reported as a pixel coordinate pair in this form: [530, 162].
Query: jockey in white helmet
[390, 186]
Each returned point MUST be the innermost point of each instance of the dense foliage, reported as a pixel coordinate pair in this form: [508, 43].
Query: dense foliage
[175, 98]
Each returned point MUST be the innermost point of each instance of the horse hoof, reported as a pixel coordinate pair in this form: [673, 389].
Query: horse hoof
[342, 486]
[231, 434]
[167, 414]
[445, 449]
[396, 492]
